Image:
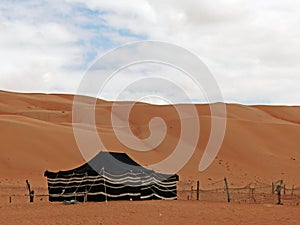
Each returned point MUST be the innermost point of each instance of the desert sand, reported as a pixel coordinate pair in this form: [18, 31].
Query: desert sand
[261, 144]
[149, 212]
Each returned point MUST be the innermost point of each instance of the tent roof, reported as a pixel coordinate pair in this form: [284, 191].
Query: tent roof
[111, 162]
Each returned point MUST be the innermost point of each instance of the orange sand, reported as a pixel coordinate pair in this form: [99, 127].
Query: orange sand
[149, 212]
[261, 142]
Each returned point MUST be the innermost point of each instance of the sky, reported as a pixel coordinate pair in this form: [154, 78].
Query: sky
[252, 48]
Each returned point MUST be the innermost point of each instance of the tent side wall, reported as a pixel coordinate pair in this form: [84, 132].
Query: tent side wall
[101, 188]
[93, 188]
[112, 181]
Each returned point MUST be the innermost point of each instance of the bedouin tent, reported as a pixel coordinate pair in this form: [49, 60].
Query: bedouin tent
[110, 176]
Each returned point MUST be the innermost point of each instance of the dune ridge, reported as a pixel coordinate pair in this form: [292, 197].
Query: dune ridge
[261, 142]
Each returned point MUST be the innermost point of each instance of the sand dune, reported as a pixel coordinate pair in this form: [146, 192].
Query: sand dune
[261, 142]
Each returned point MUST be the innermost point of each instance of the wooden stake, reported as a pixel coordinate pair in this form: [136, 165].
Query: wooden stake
[31, 196]
[227, 189]
[198, 189]
[252, 190]
[28, 186]
[31, 192]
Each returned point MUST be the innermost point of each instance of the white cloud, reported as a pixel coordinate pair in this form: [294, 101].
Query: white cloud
[165, 81]
[252, 47]
[29, 52]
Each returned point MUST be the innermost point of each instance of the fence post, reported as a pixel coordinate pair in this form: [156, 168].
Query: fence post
[292, 191]
[273, 189]
[10, 199]
[227, 189]
[31, 196]
[252, 190]
[198, 189]
[278, 191]
[31, 192]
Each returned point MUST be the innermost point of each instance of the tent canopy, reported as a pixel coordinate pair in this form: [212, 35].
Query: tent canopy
[111, 162]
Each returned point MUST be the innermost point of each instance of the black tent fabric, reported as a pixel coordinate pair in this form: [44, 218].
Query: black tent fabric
[110, 176]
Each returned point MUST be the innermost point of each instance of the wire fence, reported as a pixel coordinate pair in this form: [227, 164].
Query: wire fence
[12, 194]
[257, 192]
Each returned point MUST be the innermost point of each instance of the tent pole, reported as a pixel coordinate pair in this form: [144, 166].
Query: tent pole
[104, 186]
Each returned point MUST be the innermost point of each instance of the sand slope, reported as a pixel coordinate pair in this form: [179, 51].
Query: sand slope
[261, 142]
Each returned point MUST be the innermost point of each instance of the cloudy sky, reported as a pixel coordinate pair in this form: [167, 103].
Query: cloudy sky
[251, 47]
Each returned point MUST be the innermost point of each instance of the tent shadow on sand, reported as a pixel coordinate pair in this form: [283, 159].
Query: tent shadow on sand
[110, 176]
